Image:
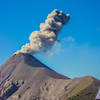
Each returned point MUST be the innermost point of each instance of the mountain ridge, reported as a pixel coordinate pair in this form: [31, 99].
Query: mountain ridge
[23, 77]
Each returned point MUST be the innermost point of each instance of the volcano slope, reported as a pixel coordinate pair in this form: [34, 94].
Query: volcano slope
[23, 77]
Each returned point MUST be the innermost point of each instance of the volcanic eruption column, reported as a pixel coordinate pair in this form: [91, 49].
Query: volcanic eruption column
[45, 38]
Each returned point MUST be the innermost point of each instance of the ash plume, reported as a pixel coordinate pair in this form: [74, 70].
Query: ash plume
[44, 39]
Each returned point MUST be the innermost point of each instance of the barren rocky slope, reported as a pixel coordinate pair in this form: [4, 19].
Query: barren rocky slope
[23, 77]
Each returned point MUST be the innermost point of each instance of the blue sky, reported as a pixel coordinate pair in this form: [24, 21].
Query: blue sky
[77, 55]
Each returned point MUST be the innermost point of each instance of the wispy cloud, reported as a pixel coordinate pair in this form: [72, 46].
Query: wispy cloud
[58, 48]
[69, 39]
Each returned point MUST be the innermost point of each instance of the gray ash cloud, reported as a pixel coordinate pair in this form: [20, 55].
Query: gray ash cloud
[44, 39]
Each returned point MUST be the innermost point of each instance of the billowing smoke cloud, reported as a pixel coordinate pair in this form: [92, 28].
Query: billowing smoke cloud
[44, 39]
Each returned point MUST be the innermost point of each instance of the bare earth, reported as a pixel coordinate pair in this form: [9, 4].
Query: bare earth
[23, 77]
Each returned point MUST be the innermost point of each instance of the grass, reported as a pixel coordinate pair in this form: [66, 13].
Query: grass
[76, 92]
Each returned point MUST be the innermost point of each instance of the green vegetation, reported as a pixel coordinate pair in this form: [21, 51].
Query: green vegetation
[85, 91]
[86, 94]
[81, 86]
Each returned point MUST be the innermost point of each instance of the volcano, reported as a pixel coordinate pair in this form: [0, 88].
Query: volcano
[23, 77]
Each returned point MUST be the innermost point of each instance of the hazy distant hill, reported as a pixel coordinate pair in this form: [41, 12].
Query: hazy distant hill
[23, 77]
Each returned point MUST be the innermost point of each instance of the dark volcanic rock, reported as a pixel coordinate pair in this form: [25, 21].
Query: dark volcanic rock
[8, 88]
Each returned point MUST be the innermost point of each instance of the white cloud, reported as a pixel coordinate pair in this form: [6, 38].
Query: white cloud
[69, 39]
[60, 47]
